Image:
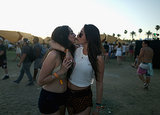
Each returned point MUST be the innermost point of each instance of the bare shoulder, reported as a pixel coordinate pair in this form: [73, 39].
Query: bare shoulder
[52, 55]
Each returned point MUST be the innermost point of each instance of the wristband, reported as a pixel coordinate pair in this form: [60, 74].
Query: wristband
[98, 104]
[56, 75]
[66, 50]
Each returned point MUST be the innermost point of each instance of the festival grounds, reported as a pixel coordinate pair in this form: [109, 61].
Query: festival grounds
[123, 92]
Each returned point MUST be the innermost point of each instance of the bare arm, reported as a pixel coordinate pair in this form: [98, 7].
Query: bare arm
[99, 81]
[56, 46]
[140, 55]
[22, 59]
[48, 66]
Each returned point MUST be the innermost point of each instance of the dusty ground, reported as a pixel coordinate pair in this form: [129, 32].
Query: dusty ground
[123, 92]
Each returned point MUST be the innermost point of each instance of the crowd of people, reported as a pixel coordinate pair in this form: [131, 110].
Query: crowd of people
[69, 66]
[118, 50]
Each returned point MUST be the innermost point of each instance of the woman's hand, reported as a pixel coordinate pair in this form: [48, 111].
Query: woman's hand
[66, 65]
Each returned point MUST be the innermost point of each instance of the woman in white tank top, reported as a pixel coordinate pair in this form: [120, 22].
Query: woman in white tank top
[88, 63]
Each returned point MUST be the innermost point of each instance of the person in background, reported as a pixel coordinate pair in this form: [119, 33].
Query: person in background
[124, 51]
[18, 51]
[127, 49]
[135, 64]
[3, 59]
[131, 51]
[106, 47]
[119, 52]
[37, 48]
[25, 60]
[145, 63]
[53, 77]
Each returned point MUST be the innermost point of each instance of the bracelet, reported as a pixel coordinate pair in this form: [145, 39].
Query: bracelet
[98, 104]
[66, 50]
[56, 75]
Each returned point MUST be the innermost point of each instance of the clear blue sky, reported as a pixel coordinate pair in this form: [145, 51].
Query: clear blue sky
[40, 17]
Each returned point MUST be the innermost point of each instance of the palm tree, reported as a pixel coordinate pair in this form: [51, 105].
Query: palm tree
[118, 35]
[133, 34]
[140, 31]
[125, 31]
[149, 33]
[157, 28]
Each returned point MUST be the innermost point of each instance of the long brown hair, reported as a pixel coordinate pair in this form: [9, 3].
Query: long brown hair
[60, 35]
[94, 45]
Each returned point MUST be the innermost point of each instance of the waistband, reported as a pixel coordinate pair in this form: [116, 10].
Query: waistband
[79, 93]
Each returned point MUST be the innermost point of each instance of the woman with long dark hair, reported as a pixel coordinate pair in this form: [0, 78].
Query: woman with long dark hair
[88, 63]
[52, 76]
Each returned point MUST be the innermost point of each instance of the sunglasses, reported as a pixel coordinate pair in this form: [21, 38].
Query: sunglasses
[80, 34]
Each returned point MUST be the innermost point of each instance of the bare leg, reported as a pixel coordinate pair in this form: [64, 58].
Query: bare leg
[118, 59]
[62, 110]
[19, 56]
[141, 78]
[35, 74]
[87, 111]
[15, 58]
[6, 71]
[148, 80]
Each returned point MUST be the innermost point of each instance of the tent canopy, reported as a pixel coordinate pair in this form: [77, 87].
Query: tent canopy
[15, 36]
[11, 36]
[108, 38]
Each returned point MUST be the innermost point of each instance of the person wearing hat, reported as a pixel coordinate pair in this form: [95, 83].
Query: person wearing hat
[25, 60]
[3, 59]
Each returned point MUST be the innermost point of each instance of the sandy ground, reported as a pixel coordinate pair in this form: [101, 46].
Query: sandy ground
[123, 92]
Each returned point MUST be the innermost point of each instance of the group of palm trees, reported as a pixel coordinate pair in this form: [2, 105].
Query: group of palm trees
[148, 33]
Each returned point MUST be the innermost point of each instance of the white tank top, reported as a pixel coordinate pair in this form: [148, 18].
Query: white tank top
[82, 74]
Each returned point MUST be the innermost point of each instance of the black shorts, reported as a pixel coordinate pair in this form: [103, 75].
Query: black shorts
[3, 64]
[49, 102]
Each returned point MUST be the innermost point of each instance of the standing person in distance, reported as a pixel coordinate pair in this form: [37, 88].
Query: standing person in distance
[145, 60]
[3, 58]
[25, 62]
[37, 47]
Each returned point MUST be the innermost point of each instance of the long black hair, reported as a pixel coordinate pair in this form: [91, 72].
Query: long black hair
[94, 45]
[60, 35]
